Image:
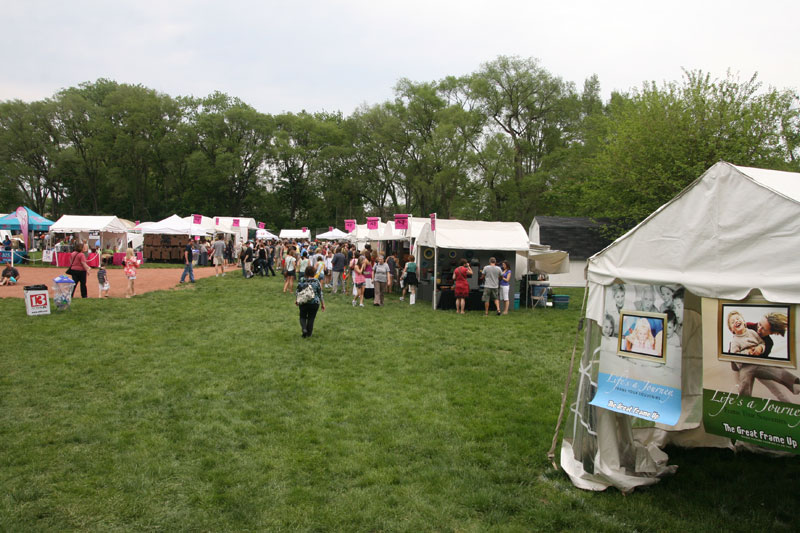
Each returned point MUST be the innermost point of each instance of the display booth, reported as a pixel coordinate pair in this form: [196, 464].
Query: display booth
[241, 227]
[100, 232]
[11, 222]
[438, 252]
[690, 334]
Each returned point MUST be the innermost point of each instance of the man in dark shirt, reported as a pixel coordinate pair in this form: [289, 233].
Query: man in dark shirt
[187, 261]
[337, 269]
[247, 260]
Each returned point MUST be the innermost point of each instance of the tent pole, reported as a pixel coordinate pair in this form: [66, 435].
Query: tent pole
[435, 266]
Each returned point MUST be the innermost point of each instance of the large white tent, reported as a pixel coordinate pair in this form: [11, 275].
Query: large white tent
[733, 233]
[242, 231]
[334, 235]
[295, 234]
[109, 228]
[175, 225]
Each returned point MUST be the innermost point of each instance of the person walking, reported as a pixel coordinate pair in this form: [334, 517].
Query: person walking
[80, 268]
[309, 307]
[218, 249]
[382, 279]
[359, 280]
[338, 263]
[410, 275]
[131, 264]
[289, 271]
[188, 250]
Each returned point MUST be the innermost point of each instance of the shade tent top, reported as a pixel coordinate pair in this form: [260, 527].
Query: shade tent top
[295, 234]
[175, 225]
[36, 222]
[334, 235]
[415, 225]
[244, 223]
[264, 234]
[734, 229]
[475, 235]
[85, 223]
[362, 234]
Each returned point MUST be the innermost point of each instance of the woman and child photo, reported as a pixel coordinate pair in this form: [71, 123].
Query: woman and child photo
[666, 299]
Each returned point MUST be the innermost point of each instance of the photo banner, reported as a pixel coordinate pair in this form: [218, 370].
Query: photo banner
[401, 222]
[640, 352]
[372, 222]
[751, 383]
[350, 225]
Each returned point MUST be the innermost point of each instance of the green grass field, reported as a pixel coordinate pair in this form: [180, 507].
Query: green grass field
[202, 409]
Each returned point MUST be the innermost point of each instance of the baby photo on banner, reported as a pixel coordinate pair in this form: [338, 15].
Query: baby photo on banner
[751, 384]
[640, 352]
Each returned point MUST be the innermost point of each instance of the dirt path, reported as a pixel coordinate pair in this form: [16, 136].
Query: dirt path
[147, 280]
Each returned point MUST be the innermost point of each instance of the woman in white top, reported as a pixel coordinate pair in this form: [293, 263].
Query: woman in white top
[289, 271]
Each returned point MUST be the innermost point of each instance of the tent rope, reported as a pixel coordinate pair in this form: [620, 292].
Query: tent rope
[551, 453]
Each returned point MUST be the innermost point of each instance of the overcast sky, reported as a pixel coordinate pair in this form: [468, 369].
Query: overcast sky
[335, 55]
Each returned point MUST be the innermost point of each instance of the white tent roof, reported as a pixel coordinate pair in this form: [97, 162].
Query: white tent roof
[248, 223]
[415, 225]
[362, 234]
[732, 230]
[333, 235]
[475, 235]
[295, 234]
[84, 224]
[175, 225]
[264, 234]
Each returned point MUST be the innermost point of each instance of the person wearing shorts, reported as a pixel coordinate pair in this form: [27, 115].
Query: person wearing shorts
[505, 285]
[219, 255]
[491, 285]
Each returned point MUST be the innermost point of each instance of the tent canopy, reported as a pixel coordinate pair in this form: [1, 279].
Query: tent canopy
[362, 234]
[36, 222]
[475, 235]
[295, 234]
[86, 224]
[175, 225]
[264, 234]
[734, 229]
[333, 235]
[415, 225]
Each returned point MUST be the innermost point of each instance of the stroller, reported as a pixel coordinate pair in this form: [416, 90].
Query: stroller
[259, 267]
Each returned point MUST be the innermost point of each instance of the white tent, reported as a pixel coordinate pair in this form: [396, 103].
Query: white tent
[175, 225]
[334, 235]
[266, 235]
[732, 233]
[295, 234]
[109, 228]
[364, 235]
[476, 235]
[242, 231]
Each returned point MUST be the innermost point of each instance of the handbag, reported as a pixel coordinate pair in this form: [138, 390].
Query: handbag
[70, 271]
[305, 295]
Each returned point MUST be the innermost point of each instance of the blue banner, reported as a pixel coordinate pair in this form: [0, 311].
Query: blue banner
[642, 399]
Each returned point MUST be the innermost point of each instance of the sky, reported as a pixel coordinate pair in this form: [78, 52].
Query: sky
[314, 55]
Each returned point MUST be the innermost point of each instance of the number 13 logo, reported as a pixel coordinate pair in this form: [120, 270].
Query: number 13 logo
[38, 300]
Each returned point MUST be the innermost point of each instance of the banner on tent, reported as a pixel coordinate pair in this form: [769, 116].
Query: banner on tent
[750, 377]
[349, 225]
[401, 222]
[372, 222]
[640, 352]
[235, 222]
[197, 219]
[433, 221]
[261, 225]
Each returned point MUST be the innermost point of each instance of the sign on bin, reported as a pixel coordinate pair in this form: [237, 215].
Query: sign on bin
[37, 300]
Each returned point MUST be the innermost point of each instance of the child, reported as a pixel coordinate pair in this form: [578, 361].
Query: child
[102, 282]
[743, 338]
[673, 338]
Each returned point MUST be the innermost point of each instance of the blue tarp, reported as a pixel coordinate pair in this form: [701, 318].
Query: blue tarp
[36, 222]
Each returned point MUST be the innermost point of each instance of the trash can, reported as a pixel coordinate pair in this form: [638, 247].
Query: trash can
[516, 300]
[561, 301]
[62, 292]
[37, 300]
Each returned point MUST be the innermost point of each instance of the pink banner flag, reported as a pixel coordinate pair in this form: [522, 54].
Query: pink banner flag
[138, 222]
[330, 228]
[349, 225]
[433, 221]
[22, 217]
[304, 229]
[401, 222]
[197, 219]
[216, 221]
[261, 225]
[235, 222]
[372, 222]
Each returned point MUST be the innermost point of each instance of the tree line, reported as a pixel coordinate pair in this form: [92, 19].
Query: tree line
[507, 142]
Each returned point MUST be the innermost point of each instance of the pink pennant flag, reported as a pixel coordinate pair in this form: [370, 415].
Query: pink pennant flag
[22, 217]
[216, 221]
[433, 221]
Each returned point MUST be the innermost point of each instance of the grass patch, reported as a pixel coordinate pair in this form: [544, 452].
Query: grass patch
[202, 409]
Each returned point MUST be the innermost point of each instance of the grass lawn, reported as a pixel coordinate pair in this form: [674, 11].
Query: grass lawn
[202, 409]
